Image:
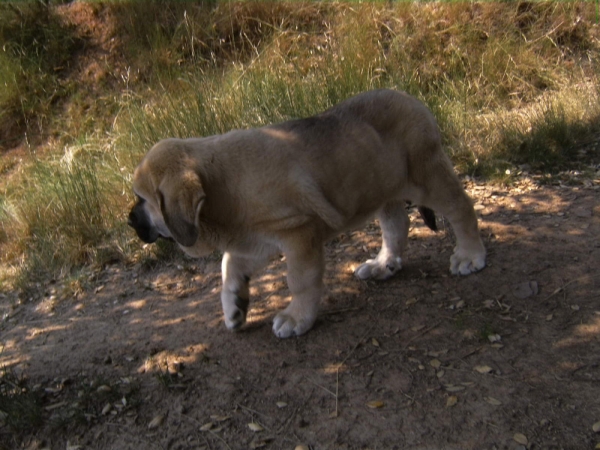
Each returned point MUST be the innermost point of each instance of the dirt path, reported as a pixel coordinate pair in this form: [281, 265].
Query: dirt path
[504, 359]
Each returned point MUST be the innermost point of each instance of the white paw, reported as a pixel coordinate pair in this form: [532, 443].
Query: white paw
[285, 325]
[379, 269]
[235, 316]
[465, 263]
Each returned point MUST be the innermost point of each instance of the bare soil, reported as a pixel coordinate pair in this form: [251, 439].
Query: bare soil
[503, 359]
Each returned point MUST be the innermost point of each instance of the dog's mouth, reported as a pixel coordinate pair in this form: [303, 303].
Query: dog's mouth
[145, 231]
[147, 234]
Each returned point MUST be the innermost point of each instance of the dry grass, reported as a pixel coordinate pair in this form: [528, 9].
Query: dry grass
[510, 84]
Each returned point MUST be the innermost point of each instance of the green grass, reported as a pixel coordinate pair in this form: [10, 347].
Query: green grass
[510, 84]
[64, 207]
[546, 136]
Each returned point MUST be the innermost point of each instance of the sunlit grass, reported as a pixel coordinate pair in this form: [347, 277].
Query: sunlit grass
[63, 214]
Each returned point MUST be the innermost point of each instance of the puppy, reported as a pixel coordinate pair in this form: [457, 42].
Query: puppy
[287, 188]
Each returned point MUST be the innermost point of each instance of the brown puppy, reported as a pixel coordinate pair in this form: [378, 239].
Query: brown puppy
[287, 188]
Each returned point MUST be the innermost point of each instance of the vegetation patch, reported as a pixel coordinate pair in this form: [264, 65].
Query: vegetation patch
[35, 59]
[514, 86]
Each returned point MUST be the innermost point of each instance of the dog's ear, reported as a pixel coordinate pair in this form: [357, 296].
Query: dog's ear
[180, 198]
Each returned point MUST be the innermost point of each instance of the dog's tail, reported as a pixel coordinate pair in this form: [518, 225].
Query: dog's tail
[428, 217]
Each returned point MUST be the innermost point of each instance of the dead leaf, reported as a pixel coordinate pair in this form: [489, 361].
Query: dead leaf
[596, 427]
[156, 422]
[106, 409]
[525, 289]
[489, 304]
[435, 363]
[375, 404]
[494, 338]
[301, 447]
[492, 401]
[55, 406]
[207, 426]
[440, 374]
[281, 404]
[218, 418]
[452, 388]
[520, 438]
[411, 301]
[575, 307]
[483, 369]
[375, 342]
[451, 401]
[549, 317]
[507, 318]
[258, 444]
[255, 427]
[469, 334]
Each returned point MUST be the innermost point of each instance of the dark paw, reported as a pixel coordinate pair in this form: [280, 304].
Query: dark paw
[242, 304]
[238, 318]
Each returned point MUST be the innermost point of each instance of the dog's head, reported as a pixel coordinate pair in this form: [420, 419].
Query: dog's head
[169, 196]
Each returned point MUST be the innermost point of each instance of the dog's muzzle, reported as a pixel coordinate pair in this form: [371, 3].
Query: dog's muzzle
[138, 220]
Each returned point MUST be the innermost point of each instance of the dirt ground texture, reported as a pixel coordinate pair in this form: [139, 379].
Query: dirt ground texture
[503, 359]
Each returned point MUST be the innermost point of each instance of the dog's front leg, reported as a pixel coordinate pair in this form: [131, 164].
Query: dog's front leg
[305, 279]
[235, 294]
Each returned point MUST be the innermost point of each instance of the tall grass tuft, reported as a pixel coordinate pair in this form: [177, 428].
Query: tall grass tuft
[248, 98]
[546, 135]
[67, 213]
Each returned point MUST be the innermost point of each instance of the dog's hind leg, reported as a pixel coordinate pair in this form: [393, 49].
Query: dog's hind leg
[303, 250]
[469, 253]
[394, 223]
[447, 196]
